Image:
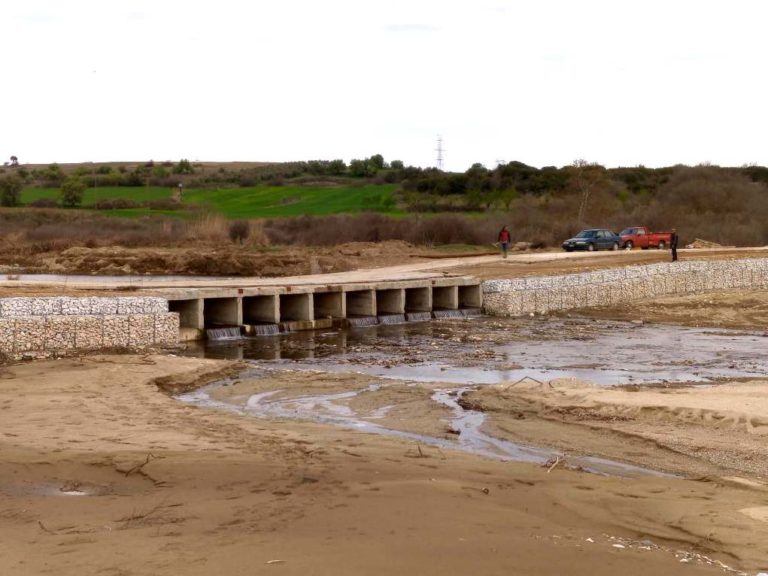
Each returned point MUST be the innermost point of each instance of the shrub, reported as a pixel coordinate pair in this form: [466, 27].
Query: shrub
[163, 204]
[44, 203]
[239, 230]
[184, 167]
[115, 204]
[10, 190]
[72, 192]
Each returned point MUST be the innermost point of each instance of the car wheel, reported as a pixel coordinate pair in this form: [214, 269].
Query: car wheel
[628, 245]
[590, 247]
[662, 245]
[615, 246]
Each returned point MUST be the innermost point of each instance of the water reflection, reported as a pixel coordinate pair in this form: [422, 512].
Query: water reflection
[309, 344]
[491, 350]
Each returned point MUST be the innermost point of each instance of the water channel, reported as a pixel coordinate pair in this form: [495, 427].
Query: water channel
[455, 355]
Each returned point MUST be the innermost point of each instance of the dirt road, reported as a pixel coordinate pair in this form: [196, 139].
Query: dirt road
[377, 266]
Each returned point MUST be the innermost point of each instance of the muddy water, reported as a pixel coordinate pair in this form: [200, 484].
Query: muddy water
[489, 351]
[467, 424]
[451, 356]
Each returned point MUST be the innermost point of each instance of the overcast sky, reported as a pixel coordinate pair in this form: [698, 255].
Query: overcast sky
[545, 82]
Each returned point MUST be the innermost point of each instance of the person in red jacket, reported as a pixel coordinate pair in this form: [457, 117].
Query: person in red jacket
[504, 239]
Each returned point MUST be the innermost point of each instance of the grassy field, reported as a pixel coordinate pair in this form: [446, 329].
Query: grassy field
[92, 195]
[253, 202]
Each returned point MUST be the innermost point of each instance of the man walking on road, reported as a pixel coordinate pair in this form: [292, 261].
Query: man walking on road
[673, 244]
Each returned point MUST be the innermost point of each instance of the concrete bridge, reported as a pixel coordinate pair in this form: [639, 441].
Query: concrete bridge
[269, 309]
[413, 291]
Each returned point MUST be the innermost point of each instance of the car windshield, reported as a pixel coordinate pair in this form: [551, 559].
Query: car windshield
[627, 232]
[585, 234]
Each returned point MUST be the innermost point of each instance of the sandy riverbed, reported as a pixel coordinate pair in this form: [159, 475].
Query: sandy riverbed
[102, 473]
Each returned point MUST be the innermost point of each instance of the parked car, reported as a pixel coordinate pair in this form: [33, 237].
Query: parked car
[640, 237]
[593, 239]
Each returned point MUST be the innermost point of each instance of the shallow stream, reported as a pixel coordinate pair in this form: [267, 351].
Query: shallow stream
[486, 350]
[453, 356]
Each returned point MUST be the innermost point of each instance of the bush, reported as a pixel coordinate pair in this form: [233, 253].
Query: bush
[184, 167]
[44, 203]
[164, 204]
[72, 192]
[10, 190]
[239, 230]
[115, 204]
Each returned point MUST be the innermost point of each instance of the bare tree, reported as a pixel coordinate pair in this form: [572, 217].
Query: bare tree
[586, 177]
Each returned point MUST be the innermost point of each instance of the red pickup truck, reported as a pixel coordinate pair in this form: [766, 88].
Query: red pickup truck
[640, 237]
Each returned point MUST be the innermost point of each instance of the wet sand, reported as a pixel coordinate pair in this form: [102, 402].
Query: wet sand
[104, 473]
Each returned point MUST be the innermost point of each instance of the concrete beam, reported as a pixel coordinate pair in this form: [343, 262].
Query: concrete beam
[418, 299]
[259, 309]
[445, 297]
[361, 303]
[223, 311]
[390, 301]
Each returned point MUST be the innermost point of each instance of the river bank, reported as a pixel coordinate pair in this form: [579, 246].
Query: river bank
[105, 473]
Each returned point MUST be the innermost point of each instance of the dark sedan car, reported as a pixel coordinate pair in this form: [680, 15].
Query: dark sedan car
[594, 239]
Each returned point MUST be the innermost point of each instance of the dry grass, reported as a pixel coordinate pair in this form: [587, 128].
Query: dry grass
[34, 231]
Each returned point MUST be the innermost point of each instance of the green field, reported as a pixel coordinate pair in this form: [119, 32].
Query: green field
[253, 202]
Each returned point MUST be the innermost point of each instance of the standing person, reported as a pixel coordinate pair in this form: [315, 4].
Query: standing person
[673, 244]
[504, 239]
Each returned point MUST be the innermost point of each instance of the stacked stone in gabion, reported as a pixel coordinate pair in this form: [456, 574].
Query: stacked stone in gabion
[522, 296]
[48, 325]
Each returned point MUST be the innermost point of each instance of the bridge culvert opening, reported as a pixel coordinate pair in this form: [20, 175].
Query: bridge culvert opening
[360, 303]
[390, 301]
[418, 300]
[222, 312]
[329, 305]
[296, 308]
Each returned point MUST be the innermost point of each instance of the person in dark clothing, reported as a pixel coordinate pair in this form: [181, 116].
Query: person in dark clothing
[673, 244]
[504, 239]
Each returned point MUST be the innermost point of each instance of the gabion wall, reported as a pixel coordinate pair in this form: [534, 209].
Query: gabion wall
[543, 294]
[47, 326]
